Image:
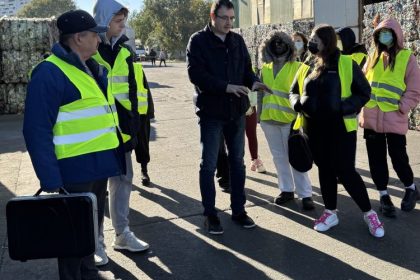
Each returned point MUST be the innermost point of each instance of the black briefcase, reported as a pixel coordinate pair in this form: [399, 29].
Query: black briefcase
[52, 226]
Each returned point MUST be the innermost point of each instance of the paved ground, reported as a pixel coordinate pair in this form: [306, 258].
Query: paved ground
[168, 213]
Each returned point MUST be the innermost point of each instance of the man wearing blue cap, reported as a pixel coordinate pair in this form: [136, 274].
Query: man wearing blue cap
[71, 126]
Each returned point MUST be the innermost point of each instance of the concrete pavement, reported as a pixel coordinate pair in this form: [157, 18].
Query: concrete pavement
[167, 214]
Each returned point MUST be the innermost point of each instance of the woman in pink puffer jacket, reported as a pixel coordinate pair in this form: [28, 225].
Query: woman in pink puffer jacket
[395, 79]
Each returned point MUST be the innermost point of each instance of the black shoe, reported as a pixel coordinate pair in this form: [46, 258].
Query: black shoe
[409, 201]
[213, 226]
[284, 197]
[387, 207]
[244, 220]
[145, 179]
[308, 203]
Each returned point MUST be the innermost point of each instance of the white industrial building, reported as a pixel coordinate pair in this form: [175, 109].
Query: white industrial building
[10, 7]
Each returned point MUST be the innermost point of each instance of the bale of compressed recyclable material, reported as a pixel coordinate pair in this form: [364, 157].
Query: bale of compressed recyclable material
[23, 42]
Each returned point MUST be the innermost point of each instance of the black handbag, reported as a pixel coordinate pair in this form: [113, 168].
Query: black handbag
[52, 226]
[300, 155]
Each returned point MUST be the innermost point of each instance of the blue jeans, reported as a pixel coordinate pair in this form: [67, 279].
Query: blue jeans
[234, 131]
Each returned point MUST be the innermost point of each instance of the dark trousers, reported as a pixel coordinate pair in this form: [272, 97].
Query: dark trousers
[164, 62]
[234, 132]
[84, 268]
[222, 167]
[334, 152]
[143, 138]
[251, 135]
[153, 60]
[377, 144]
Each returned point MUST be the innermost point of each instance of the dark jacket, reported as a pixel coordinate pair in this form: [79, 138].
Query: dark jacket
[321, 98]
[129, 120]
[47, 90]
[212, 65]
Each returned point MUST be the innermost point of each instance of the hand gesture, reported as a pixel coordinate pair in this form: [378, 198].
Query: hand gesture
[257, 86]
[237, 90]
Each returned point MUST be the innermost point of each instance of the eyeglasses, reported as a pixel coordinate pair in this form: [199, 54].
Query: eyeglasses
[226, 18]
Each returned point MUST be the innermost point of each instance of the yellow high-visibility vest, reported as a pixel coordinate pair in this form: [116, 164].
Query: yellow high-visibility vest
[88, 124]
[276, 106]
[118, 80]
[358, 57]
[300, 77]
[388, 86]
[141, 90]
[345, 72]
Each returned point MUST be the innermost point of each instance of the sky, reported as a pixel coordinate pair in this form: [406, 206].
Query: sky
[87, 5]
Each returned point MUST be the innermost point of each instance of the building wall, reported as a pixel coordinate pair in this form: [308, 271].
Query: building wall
[255, 12]
[10, 7]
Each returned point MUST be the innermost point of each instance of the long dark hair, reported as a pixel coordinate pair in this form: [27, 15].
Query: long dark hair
[327, 56]
[379, 48]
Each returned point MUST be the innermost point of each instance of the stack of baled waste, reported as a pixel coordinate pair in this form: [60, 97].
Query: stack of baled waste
[23, 42]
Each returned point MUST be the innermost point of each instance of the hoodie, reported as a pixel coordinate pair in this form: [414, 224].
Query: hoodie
[103, 12]
[267, 56]
[396, 121]
[348, 39]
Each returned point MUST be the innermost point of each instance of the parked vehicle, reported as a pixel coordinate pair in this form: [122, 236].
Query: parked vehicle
[140, 53]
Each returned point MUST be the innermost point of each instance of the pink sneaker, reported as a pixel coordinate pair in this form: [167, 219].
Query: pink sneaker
[376, 228]
[257, 165]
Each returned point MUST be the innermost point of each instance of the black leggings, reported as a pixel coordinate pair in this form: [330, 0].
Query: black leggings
[376, 144]
[334, 151]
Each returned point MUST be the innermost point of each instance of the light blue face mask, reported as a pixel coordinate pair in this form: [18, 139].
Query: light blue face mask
[385, 37]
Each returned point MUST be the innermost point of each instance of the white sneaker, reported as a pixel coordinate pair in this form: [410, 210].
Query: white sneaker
[327, 220]
[128, 241]
[376, 228]
[257, 165]
[101, 258]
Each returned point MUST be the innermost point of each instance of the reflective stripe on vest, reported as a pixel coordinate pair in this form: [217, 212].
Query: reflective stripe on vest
[358, 57]
[88, 124]
[141, 90]
[276, 106]
[388, 86]
[118, 84]
[300, 76]
[345, 72]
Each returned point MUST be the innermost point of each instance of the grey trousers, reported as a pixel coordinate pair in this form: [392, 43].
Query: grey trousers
[119, 199]
[84, 268]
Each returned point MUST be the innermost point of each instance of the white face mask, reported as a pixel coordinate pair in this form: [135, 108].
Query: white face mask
[299, 46]
[340, 45]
